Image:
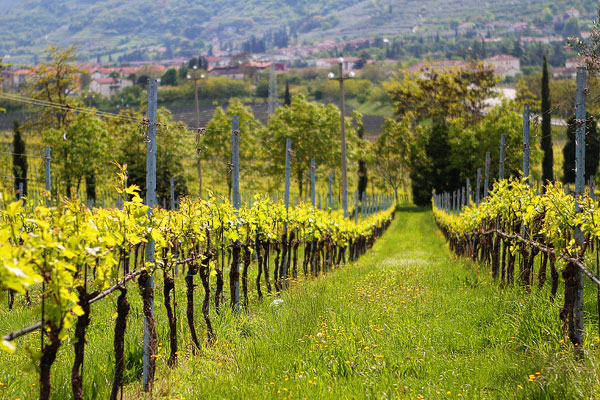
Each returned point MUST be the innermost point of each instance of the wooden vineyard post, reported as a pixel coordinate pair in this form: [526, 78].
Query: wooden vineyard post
[580, 119]
[149, 330]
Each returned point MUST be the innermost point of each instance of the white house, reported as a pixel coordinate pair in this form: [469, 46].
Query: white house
[109, 86]
[504, 65]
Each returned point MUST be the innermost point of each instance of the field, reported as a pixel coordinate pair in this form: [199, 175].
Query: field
[406, 321]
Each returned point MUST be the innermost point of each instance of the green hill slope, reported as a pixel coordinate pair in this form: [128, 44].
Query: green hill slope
[102, 27]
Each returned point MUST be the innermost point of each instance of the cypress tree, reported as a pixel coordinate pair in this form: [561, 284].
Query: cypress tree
[19, 159]
[287, 99]
[548, 160]
[363, 179]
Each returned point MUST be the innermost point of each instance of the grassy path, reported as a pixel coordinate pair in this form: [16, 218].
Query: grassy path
[408, 321]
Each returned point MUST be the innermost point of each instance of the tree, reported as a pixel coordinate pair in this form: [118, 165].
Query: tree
[444, 156]
[572, 27]
[546, 141]
[169, 78]
[216, 143]
[19, 159]
[525, 97]
[390, 154]
[52, 82]
[174, 145]
[592, 150]
[287, 99]
[2, 68]
[315, 132]
[363, 178]
[82, 150]
[262, 89]
[589, 49]
[442, 95]
[517, 49]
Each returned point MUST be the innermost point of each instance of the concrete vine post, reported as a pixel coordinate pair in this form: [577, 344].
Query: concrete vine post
[524, 230]
[580, 120]
[312, 182]
[286, 198]
[502, 156]
[234, 274]
[47, 175]
[149, 363]
[486, 182]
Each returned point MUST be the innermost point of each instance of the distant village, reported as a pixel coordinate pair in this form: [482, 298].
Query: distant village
[107, 80]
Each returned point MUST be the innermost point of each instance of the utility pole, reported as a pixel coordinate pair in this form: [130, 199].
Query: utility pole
[195, 78]
[341, 78]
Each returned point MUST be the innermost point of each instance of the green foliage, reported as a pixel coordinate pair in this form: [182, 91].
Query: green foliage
[592, 149]
[315, 132]
[19, 159]
[82, 149]
[353, 88]
[442, 95]
[169, 78]
[451, 154]
[363, 178]
[546, 141]
[216, 142]
[175, 144]
[213, 88]
[525, 97]
[390, 154]
[2, 68]
[52, 82]
[287, 98]
[262, 89]
[589, 49]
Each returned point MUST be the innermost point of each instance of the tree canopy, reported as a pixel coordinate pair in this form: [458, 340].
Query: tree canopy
[441, 95]
[315, 132]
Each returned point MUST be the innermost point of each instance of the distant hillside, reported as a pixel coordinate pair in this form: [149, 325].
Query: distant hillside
[184, 27]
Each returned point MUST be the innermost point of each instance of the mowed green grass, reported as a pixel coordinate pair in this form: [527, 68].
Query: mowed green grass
[408, 320]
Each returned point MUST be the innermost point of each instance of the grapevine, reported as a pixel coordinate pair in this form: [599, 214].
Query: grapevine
[517, 222]
[79, 255]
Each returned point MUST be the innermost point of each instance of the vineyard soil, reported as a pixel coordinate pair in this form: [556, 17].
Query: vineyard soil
[408, 320]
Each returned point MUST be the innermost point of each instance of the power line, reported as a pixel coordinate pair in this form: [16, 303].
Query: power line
[65, 107]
